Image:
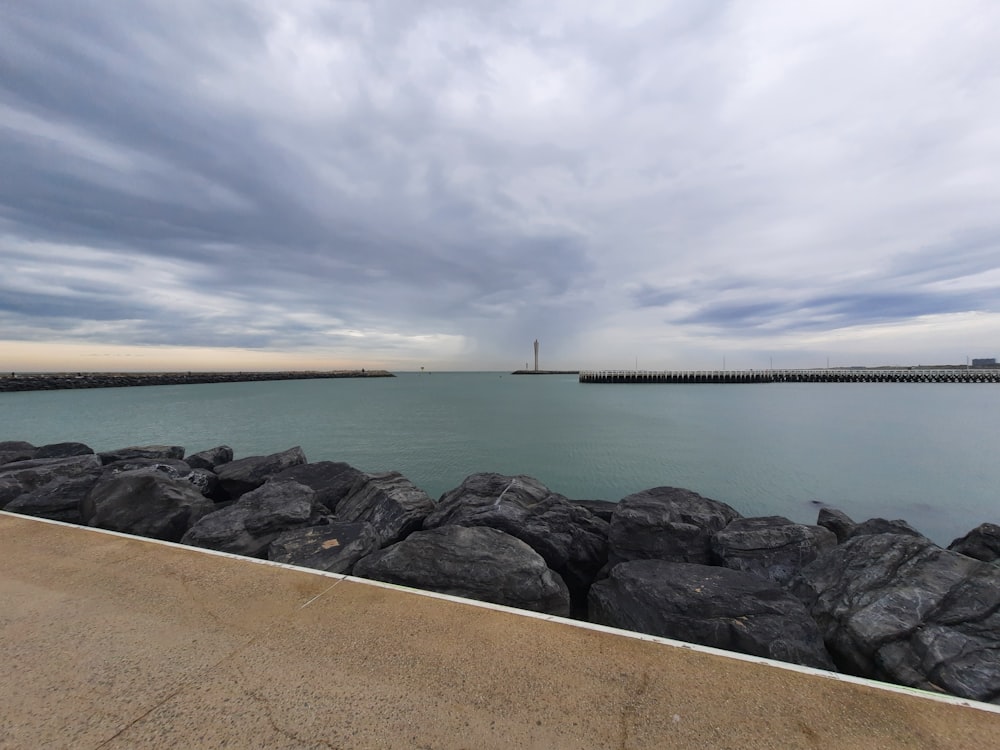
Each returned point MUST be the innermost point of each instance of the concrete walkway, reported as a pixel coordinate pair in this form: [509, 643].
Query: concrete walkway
[109, 641]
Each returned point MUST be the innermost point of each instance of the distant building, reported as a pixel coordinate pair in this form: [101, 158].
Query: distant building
[983, 362]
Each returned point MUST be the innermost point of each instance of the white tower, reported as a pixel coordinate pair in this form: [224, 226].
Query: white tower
[536, 355]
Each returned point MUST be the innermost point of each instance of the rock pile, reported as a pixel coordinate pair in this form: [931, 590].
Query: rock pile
[875, 599]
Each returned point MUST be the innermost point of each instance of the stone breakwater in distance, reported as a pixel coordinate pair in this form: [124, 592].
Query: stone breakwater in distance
[66, 381]
[874, 599]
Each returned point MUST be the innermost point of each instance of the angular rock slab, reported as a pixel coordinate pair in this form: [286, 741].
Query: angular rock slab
[836, 521]
[335, 547]
[210, 459]
[249, 525]
[246, 474]
[142, 451]
[16, 450]
[571, 539]
[332, 480]
[771, 547]
[63, 450]
[58, 500]
[666, 523]
[145, 503]
[20, 477]
[390, 502]
[711, 606]
[472, 562]
[982, 543]
[899, 608]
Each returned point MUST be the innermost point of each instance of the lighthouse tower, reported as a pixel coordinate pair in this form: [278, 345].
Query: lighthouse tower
[536, 355]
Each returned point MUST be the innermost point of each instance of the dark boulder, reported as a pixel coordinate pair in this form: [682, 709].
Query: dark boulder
[20, 477]
[142, 451]
[63, 450]
[666, 523]
[249, 525]
[899, 608]
[472, 562]
[600, 508]
[771, 547]
[245, 474]
[711, 606]
[15, 450]
[334, 547]
[836, 521]
[58, 500]
[171, 467]
[332, 480]
[982, 543]
[571, 539]
[390, 502]
[210, 459]
[145, 504]
[883, 526]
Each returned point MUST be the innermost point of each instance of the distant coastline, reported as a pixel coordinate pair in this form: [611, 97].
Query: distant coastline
[545, 372]
[69, 381]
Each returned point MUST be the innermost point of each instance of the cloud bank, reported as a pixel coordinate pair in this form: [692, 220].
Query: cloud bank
[397, 184]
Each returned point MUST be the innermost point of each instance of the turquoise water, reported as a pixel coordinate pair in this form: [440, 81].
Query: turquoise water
[923, 452]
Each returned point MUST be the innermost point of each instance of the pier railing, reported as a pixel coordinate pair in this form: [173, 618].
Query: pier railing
[845, 375]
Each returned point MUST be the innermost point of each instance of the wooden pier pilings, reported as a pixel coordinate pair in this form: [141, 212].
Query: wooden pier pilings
[847, 375]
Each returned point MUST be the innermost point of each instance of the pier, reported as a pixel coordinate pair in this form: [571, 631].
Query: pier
[825, 375]
[73, 381]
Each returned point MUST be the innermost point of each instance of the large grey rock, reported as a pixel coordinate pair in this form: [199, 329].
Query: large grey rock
[571, 539]
[982, 543]
[771, 547]
[63, 450]
[249, 525]
[332, 480]
[711, 606]
[335, 547]
[204, 480]
[145, 504]
[882, 526]
[836, 521]
[245, 474]
[472, 562]
[389, 502]
[20, 477]
[210, 459]
[16, 450]
[142, 451]
[666, 523]
[603, 509]
[899, 608]
[58, 500]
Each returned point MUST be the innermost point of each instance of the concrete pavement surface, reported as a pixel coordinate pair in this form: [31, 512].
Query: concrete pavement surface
[108, 641]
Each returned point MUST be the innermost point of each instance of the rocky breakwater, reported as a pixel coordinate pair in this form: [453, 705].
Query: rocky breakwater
[69, 381]
[874, 599]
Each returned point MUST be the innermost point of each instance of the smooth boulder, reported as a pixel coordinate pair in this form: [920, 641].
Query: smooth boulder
[899, 608]
[20, 477]
[210, 459]
[334, 547]
[332, 480]
[836, 521]
[246, 474]
[16, 450]
[571, 539]
[249, 525]
[772, 547]
[472, 562]
[390, 502]
[666, 523]
[63, 450]
[711, 606]
[145, 504]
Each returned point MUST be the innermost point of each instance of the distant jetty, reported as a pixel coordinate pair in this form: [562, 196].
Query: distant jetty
[846, 375]
[545, 372]
[68, 381]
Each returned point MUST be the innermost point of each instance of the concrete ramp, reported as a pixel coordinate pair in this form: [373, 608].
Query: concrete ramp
[108, 641]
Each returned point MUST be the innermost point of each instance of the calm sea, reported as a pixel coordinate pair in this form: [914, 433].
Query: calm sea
[924, 452]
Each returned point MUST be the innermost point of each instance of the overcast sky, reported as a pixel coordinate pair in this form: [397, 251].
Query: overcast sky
[194, 184]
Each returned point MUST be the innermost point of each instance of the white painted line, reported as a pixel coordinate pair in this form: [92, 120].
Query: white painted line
[889, 687]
